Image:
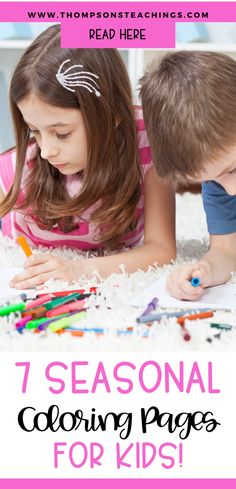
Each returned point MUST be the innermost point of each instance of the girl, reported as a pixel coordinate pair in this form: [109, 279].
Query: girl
[82, 167]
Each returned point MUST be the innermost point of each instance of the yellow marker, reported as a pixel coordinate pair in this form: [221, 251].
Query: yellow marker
[66, 321]
[24, 245]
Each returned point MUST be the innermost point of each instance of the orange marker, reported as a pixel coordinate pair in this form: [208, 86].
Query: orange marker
[38, 312]
[24, 245]
[200, 315]
[73, 333]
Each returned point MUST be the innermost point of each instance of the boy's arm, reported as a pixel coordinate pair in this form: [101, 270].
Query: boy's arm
[221, 258]
[214, 268]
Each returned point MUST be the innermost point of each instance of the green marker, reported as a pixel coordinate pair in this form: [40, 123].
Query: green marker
[4, 311]
[66, 321]
[226, 327]
[59, 301]
[35, 323]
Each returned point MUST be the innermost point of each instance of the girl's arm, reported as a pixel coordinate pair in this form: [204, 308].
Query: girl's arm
[159, 244]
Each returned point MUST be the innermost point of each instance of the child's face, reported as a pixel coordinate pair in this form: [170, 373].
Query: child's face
[222, 171]
[59, 132]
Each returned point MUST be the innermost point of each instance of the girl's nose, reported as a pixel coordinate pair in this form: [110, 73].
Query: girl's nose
[48, 150]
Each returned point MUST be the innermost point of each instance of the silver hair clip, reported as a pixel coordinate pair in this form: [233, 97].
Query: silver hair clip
[77, 79]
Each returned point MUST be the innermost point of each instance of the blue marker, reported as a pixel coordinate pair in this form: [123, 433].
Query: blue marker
[195, 282]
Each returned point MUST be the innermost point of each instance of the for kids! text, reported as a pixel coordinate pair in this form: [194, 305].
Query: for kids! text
[138, 455]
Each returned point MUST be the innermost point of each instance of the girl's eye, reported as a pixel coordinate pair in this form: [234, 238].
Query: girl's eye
[63, 136]
[232, 171]
[35, 132]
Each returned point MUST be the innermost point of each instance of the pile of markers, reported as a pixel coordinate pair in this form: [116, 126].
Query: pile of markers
[148, 317]
[54, 312]
[61, 312]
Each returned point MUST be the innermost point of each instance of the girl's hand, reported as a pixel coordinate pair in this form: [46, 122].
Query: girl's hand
[40, 268]
[178, 284]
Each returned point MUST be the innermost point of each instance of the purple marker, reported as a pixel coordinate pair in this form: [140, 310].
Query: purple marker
[151, 306]
[43, 326]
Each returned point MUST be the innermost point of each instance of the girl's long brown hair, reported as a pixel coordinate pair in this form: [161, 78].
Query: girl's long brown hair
[112, 175]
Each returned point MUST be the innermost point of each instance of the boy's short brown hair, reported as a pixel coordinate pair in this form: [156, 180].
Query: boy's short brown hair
[189, 104]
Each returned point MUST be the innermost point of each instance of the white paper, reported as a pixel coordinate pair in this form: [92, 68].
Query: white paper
[219, 297]
[7, 274]
[6, 291]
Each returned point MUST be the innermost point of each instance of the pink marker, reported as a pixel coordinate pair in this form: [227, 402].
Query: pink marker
[23, 322]
[72, 306]
[37, 302]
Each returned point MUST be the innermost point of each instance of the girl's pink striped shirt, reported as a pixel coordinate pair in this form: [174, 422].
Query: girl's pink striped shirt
[84, 237]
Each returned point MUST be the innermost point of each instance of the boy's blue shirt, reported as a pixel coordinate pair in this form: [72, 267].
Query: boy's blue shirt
[220, 208]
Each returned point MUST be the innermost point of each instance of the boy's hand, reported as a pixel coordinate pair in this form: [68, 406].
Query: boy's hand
[40, 268]
[178, 284]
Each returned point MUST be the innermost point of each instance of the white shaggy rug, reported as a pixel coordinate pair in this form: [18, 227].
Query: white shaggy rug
[113, 300]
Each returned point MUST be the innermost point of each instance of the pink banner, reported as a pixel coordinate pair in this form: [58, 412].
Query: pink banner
[115, 483]
[116, 33]
[129, 25]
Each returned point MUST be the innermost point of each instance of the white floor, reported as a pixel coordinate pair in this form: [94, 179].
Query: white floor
[114, 310]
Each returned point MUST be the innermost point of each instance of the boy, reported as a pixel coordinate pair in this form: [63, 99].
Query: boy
[189, 103]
